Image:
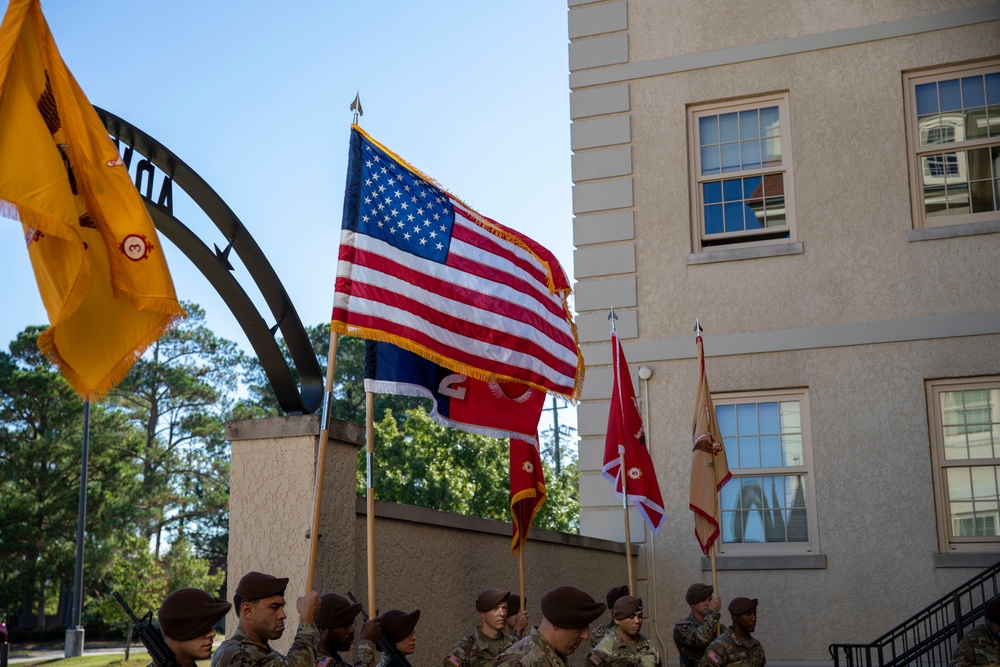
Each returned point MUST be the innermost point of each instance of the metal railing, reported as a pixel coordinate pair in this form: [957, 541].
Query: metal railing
[931, 635]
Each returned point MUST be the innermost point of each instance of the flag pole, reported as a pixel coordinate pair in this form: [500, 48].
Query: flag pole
[701, 361]
[520, 553]
[623, 476]
[370, 493]
[324, 438]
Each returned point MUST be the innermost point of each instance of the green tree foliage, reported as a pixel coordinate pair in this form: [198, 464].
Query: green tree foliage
[178, 395]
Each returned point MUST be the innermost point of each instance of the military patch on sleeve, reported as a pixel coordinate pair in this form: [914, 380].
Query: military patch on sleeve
[453, 659]
[714, 657]
[595, 660]
[323, 662]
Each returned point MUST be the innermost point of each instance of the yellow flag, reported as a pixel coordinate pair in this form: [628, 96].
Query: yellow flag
[709, 465]
[97, 259]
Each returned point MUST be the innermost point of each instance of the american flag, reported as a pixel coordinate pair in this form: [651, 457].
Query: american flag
[419, 269]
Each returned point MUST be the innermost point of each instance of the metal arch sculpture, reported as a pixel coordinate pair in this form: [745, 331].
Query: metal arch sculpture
[304, 396]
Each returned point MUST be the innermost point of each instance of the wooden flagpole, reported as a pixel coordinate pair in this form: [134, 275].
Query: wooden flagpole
[370, 494]
[520, 554]
[324, 437]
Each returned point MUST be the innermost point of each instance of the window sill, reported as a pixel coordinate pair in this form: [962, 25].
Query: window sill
[792, 562]
[953, 231]
[751, 252]
[970, 559]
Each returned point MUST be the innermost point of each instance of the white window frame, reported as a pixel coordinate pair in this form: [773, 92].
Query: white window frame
[915, 152]
[811, 545]
[947, 541]
[746, 238]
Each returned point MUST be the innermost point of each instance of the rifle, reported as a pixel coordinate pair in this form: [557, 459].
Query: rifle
[149, 636]
[386, 647]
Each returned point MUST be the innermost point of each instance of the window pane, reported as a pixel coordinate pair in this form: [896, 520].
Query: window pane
[772, 152]
[729, 523]
[732, 452]
[730, 157]
[983, 195]
[791, 445]
[949, 95]
[729, 495]
[708, 130]
[729, 127]
[955, 446]
[726, 416]
[791, 417]
[984, 483]
[774, 209]
[973, 92]
[992, 88]
[746, 415]
[768, 418]
[770, 451]
[753, 187]
[963, 519]
[926, 98]
[951, 408]
[734, 218]
[769, 122]
[929, 128]
[713, 219]
[710, 160]
[995, 406]
[993, 114]
[732, 190]
[749, 124]
[749, 452]
[959, 484]
[798, 519]
[711, 193]
[750, 215]
[750, 154]
[976, 124]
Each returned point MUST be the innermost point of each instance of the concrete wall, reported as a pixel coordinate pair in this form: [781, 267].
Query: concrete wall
[860, 310]
[435, 561]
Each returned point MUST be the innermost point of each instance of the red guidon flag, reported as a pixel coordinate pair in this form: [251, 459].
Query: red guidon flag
[97, 260]
[527, 489]
[627, 437]
[419, 269]
[709, 466]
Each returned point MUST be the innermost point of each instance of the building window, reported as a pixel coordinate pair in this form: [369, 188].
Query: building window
[953, 134]
[741, 154]
[964, 415]
[769, 505]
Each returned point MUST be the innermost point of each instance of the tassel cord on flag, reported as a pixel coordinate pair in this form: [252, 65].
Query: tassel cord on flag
[324, 438]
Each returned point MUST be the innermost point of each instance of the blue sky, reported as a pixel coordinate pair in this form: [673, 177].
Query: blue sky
[254, 96]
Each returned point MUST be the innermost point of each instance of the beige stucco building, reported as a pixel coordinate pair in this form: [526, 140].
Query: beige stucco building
[819, 184]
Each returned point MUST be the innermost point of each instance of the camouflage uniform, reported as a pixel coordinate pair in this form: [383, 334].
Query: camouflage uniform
[238, 651]
[532, 651]
[478, 650]
[600, 632]
[366, 656]
[614, 651]
[729, 649]
[691, 637]
[978, 647]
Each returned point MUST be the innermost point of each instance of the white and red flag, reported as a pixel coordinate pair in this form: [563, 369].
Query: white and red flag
[709, 465]
[627, 438]
[419, 269]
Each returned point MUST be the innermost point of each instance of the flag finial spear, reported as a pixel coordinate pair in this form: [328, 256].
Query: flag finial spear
[612, 317]
[356, 107]
[697, 328]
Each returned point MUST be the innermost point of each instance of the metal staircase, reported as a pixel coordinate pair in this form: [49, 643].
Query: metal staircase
[931, 635]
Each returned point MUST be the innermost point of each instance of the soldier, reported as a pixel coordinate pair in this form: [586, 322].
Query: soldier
[187, 619]
[598, 633]
[697, 630]
[260, 608]
[517, 618]
[567, 613]
[335, 623]
[981, 645]
[400, 629]
[488, 640]
[735, 646]
[625, 647]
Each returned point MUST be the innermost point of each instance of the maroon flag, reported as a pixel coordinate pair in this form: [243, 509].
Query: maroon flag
[527, 489]
[419, 269]
[627, 436]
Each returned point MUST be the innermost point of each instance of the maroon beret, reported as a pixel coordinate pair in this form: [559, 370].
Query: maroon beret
[742, 606]
[698, 593]
[335, 611]
[490, 598]
[513, 604]
[190, 612]
[570, 608]
[398, 625]
[256, 585]
[626, 606]
[614, 594]
[993, 611]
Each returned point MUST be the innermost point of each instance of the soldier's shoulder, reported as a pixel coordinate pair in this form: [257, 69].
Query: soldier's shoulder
[234, 651]
[528, 652]
[683, 622]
